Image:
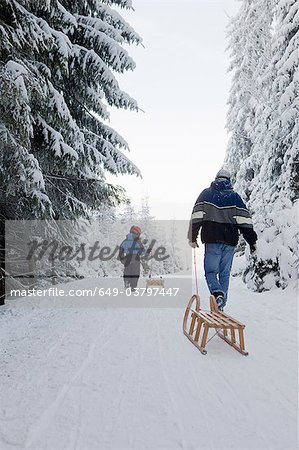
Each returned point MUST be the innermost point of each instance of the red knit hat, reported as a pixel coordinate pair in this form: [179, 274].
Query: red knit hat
[136, 230]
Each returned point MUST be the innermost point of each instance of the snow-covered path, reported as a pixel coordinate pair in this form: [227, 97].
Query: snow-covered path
[94, 378]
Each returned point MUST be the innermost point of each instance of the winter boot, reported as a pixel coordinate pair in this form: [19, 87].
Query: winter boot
[219, 296]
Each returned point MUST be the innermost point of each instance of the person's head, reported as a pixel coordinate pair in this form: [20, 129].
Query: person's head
[223, 174]
[135, 230]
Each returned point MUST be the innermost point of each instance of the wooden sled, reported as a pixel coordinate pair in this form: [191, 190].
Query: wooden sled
[154, 282]
[197, 321]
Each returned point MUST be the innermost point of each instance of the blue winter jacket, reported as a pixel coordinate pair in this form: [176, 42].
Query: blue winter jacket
[221, 214]
[131, 246]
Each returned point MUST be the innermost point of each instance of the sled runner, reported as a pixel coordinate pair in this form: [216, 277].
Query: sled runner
[197, 324]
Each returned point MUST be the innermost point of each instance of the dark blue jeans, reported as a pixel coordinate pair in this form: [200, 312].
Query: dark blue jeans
[217, 264]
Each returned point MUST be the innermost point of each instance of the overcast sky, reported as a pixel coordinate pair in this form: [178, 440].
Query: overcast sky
[182, 84]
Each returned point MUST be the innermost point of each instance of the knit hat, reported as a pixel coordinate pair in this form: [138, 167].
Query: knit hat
[136, 230]
[223, 173]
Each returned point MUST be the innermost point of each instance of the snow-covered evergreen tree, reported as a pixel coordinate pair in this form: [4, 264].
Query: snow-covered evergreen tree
[275, 193]
[271, 188]
[57, 64]
[239, 107]
[127, 213]
[145, 215]
[249, 43]
[280, 168]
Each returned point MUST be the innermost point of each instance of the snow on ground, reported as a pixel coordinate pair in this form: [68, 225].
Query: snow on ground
[87, 377]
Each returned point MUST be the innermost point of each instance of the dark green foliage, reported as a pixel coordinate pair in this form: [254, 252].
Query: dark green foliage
[57, 61]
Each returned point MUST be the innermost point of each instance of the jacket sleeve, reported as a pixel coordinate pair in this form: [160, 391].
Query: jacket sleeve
[121, 252]
[141, 250]
[196, 218]
[244, 221]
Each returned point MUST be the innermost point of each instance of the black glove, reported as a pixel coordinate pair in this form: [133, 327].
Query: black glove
[146, 267]
[193, 244]
[252, 249]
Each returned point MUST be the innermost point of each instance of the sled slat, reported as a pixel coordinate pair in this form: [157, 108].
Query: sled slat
[202, 315]
[215, 320]
[236, 322]
[222, 320]
[228, 320]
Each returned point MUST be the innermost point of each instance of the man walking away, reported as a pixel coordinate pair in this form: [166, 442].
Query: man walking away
[130, 252]
[220, 213]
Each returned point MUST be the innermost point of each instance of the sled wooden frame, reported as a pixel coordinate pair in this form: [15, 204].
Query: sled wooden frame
[154, 282]
[215, 319]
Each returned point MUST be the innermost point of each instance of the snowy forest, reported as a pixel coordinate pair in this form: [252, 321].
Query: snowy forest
[263, 122]
[97, 354]
[59, 67]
